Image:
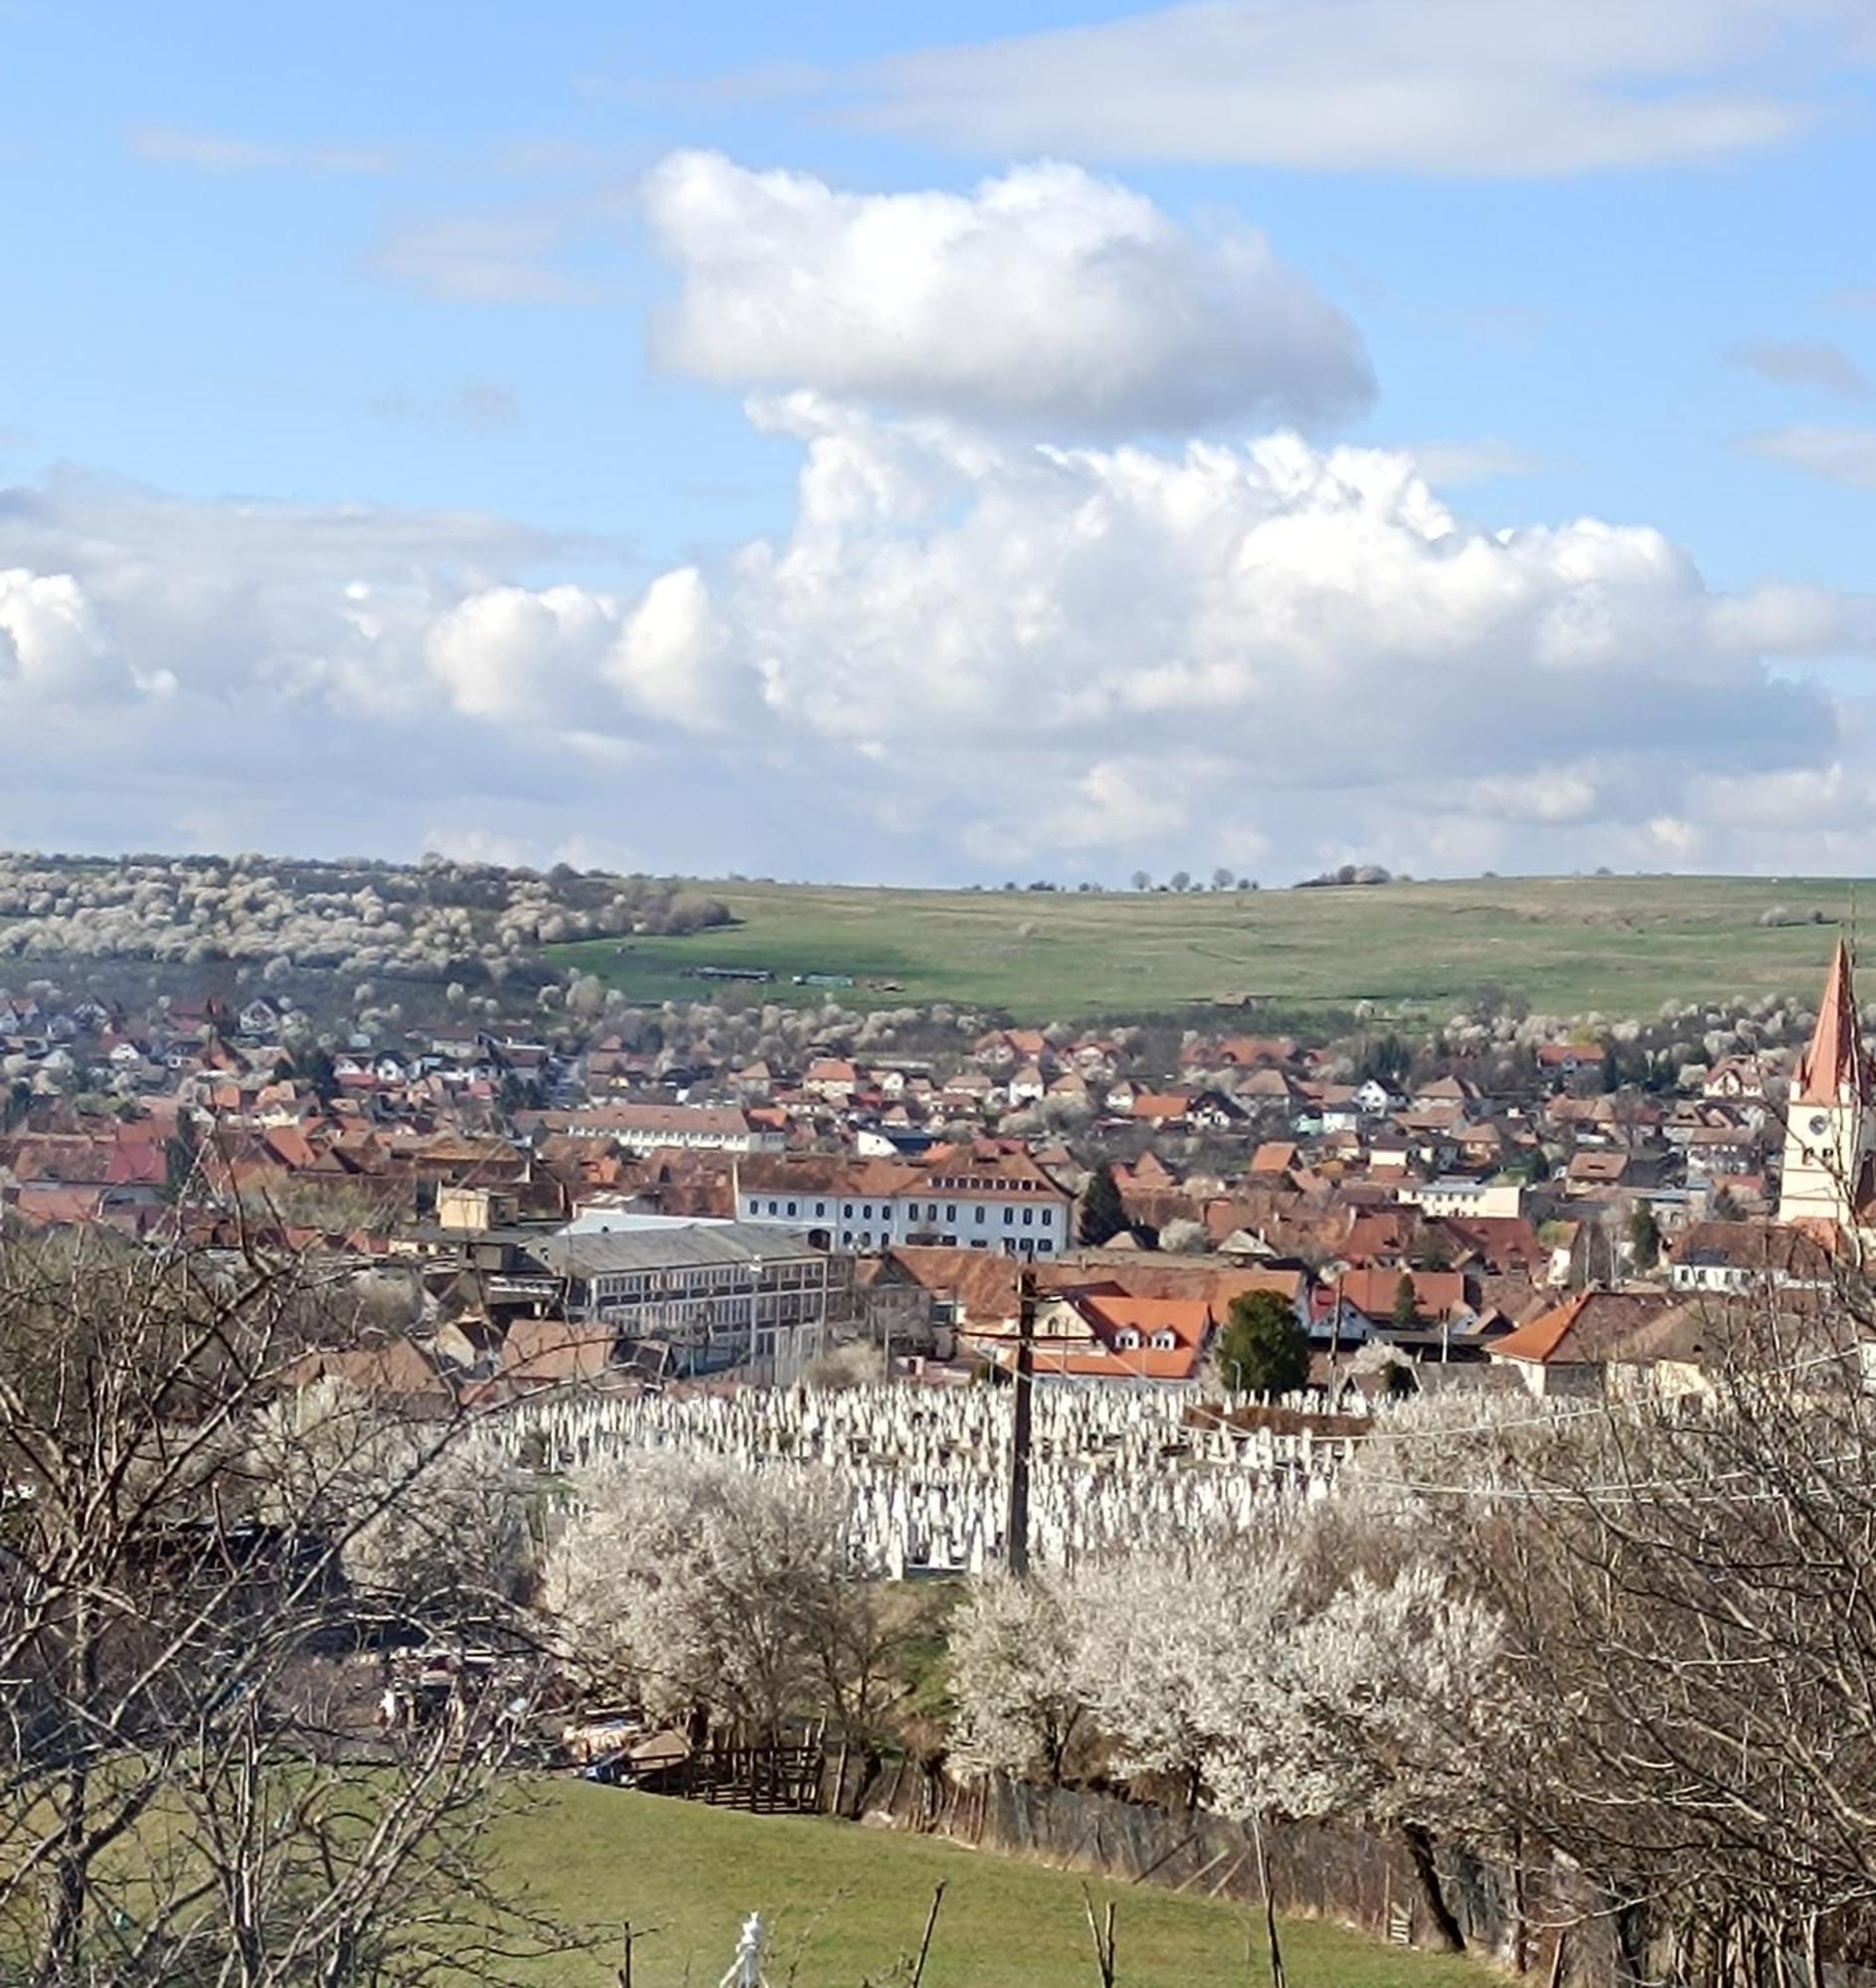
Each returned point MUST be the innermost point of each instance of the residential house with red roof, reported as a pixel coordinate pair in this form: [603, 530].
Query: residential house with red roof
[1578, 1346]
[1116, 1338]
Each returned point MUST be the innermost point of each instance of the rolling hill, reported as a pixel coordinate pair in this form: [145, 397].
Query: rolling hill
[1620, 946]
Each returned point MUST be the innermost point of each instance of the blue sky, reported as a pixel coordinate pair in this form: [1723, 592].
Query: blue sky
[444, 426]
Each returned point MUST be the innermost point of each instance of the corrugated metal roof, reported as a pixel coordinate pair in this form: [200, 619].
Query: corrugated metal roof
[605, 1252]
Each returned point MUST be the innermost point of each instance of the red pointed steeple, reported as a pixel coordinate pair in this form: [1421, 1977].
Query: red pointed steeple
[1834, 1068]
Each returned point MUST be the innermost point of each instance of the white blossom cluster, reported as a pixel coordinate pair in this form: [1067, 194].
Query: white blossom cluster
[419, 1511]
[688, 1581]
[1242, 1672]
[429, 918]
[1769, 1026]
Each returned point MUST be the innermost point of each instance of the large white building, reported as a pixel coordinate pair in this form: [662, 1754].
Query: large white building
[1460, 1196]
[712, 1293]
[991, 1195]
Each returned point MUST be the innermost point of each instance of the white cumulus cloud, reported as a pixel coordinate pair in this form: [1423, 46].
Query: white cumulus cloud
[1045, 295]
[505, 651]
[1225, 599]
[1101, 649]
[670, 661]
[53, 649]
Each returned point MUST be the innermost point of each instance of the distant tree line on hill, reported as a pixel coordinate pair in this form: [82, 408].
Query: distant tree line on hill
[1350, 873]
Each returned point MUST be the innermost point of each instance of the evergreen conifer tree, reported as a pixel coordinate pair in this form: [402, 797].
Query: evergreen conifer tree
[1104, 1214]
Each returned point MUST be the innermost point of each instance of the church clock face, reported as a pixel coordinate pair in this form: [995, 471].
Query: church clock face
[1819, 1124]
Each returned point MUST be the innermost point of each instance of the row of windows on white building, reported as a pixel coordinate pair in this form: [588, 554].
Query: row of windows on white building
[789, 1273]
[861, 1228]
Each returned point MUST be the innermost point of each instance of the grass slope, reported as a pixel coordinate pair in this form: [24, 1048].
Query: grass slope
[845, 1902]
[1621, 945]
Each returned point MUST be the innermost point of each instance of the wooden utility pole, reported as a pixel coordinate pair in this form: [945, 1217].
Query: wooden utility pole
[1016, 1515]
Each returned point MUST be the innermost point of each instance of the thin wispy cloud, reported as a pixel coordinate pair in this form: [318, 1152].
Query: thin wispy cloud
[1474, 87]
[1801, 362]
[518, 254]
[1839, 454]
[482, 258]
[553, 157]
[1451, 465]
[479, 405]
[217, 152]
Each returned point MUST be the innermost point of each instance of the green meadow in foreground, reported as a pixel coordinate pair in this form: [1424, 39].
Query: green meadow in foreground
[845, 1902]
[1618, 944]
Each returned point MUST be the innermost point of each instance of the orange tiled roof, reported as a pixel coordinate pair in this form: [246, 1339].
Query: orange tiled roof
[1539, 1338]
[1371, 1292]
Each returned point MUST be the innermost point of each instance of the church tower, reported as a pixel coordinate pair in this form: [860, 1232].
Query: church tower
[1831, 1117]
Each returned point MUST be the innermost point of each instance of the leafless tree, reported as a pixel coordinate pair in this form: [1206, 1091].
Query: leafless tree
[1686, 1582]
[191, 1787]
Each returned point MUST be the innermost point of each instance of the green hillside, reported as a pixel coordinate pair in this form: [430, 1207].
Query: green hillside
[846, 1903]
[1618, 944]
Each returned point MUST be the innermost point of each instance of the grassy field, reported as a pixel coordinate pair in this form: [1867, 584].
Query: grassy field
[1618, 944]
[844, 1904]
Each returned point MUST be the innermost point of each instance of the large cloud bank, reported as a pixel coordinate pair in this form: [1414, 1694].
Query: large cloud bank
[965, 654]
[994, 637]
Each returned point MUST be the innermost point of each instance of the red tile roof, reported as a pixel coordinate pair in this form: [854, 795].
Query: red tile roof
[1592, 1327]
[1539, 1338]
[1437, 1293]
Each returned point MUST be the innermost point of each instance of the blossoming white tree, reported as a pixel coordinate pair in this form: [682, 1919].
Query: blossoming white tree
[453, 1531]
[1174, 1656]
[1317, 1673]
[708, 1591]
[1396, 1708]
[1015, 1676]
